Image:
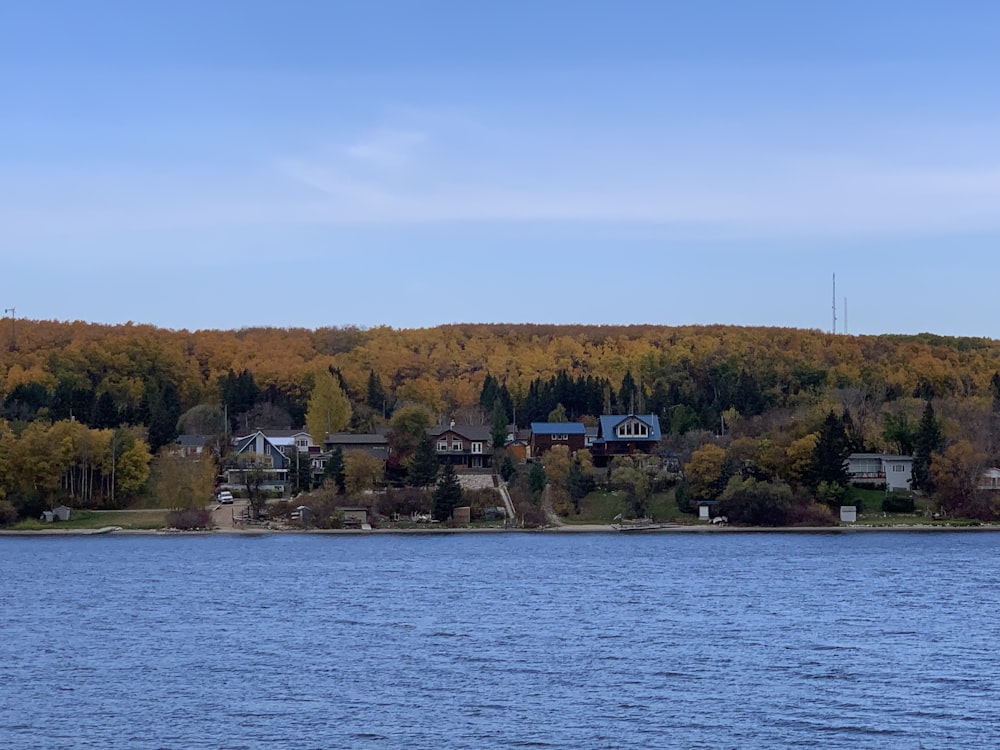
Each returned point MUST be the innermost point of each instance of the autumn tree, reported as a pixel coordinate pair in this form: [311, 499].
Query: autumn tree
[751, 502]
[705, 474]
[955, 475]
[361, 472]
[181, 481]
[329, 410]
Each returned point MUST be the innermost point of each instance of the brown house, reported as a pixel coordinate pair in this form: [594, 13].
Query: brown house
[467, 445]
[545, 435]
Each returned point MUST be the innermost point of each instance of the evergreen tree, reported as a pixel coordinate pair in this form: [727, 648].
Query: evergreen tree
[376, 398]
[831, 452]
[578, 483]
[490, 392]
[536, 478]
[334, 470]
[164, 405]
[498, 429]
[628, 394]
[507, 469]
[422, 467]
[929, 438]
[447, 494]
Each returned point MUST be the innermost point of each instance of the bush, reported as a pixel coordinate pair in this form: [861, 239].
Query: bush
[897, 502]
[189, 518]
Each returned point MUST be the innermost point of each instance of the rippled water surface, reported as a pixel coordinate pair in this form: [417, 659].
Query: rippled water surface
[520, 640]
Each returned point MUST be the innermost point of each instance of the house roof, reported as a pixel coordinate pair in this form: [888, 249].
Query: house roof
[192, 441]
[274, 434]
[347, 438]
[558, 428]
[609, 422]
[468, 431]
[880, 456]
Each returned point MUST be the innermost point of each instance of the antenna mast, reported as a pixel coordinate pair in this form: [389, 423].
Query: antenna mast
[835, 303]
[845, 314]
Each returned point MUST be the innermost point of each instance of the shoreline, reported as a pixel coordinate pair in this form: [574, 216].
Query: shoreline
[547, 530]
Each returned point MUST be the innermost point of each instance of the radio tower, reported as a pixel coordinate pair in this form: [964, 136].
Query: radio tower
[835, 303]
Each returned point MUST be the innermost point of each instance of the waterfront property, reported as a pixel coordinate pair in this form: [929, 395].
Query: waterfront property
[623, 435]
[468, 446]
[881, 470]
[546, 435]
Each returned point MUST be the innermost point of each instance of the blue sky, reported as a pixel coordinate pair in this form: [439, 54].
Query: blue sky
[219, 164]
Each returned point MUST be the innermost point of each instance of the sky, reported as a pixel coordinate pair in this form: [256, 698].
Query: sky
[203, 164]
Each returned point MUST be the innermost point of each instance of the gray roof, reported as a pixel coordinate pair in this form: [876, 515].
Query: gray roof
[193, 441]
[347, 438]
[468, 431]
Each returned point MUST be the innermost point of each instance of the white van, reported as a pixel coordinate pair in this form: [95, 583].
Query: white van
[226, 497]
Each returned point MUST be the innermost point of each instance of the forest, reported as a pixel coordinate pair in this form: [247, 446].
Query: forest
[129, 390]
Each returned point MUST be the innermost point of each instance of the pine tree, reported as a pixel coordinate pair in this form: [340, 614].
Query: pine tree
[831, 452]
[376, 398]
[447, 494]
[498, 429]
[422, 467]
[334, 470]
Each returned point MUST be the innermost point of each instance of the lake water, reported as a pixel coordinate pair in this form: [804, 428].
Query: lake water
[878, 640]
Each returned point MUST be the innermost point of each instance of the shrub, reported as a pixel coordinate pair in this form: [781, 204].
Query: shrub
[897, 502]
[189, 518]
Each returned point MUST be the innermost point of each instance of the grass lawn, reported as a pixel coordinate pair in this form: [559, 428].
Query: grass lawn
[98, 519]
[601, 506]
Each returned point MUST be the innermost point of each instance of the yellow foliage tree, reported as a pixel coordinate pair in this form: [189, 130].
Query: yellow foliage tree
[329, 409]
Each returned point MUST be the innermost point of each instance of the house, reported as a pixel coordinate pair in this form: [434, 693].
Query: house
[189, 446]
[287, 441]
[894, 473]
[374, 444]
[623, 435]
[989, 480]
[546, 435]
[258, 453]
[467, 445]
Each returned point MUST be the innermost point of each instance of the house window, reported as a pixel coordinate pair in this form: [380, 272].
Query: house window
[442, 445]
[898, 467]
[563, 437]
[633, 429]
[477, 447]
[457, 445]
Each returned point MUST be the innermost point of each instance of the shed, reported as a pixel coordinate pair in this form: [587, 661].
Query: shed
[705, 509]
[848, 513]
[354, 515]
[61, 513]
[462, 515]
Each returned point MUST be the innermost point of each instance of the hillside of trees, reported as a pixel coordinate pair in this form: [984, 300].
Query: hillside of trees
[774, 386]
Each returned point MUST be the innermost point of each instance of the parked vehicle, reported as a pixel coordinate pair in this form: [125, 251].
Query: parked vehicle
[225, 497]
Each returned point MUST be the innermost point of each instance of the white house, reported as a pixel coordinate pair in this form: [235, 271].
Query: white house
[990, 480]
[895, 472]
